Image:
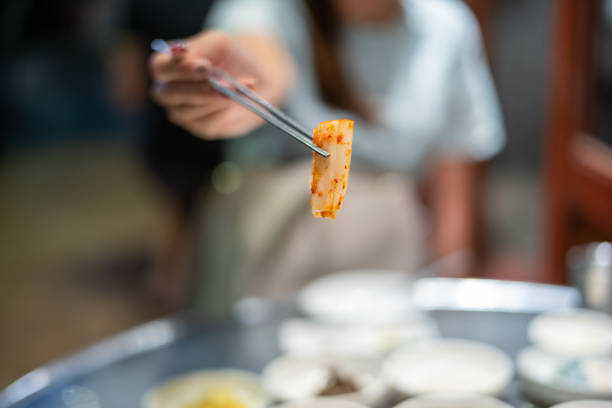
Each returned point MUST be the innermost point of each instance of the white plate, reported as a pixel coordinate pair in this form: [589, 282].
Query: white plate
[322, 403]
[550, 378]
[453, 400]
[575, 332]
[290, 378]
[359, 296]
[448, 365]
[585, 404]
[307, 337]
[191, 388]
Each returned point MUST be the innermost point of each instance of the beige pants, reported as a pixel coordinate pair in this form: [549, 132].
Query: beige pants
[263, 240]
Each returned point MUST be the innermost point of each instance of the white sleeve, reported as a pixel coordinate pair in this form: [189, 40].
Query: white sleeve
[474, 128]
[240, 16]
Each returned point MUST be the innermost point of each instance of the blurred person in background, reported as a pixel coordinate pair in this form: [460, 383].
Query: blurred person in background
[51, 67]
[413, 76]
[180, 163]
[58, 90]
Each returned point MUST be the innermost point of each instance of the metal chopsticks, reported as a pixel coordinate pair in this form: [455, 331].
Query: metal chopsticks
[252, 101]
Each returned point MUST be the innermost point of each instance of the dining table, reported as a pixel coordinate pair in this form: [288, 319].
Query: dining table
[117, 371]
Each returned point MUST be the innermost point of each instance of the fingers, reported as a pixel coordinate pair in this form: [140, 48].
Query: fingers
[225, 123]
[167, 68]
[212, 121]
[207, 126]
[183, 114]
[185, 93]
[191, 92]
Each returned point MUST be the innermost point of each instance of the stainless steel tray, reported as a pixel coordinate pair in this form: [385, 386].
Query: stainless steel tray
[116, 372]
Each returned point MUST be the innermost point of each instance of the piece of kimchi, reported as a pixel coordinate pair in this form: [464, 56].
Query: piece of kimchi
[330, 174]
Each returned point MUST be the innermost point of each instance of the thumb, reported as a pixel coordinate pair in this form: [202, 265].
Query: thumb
[211, 45]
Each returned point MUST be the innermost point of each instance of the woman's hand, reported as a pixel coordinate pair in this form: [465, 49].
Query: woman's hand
[181, 87]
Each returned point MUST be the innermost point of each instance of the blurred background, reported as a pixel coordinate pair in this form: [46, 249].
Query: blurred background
[82, 214]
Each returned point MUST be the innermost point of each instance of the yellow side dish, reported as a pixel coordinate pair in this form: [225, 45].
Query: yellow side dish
[223, 388]
[217, 397]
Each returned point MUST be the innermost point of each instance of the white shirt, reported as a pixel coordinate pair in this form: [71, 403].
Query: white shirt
[425, 74]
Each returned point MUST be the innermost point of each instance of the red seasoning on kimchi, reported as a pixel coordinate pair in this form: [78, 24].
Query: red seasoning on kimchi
[330, 174]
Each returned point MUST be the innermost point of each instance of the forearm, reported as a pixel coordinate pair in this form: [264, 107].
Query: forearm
[457, 208]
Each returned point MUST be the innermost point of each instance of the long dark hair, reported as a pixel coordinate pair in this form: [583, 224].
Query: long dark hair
[325, 28]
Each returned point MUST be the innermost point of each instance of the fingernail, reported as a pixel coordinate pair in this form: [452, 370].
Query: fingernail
[202, 67]
[178, 47]
[178, 51]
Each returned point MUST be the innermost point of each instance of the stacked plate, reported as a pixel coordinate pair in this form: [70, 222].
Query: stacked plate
[367, 312]
[585, 404]
[570, 358]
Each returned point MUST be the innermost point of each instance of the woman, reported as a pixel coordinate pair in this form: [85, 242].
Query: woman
[412, 75]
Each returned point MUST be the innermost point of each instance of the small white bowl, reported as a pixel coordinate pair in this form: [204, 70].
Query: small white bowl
[373, 296]
[585, 404]
[190, 388]
[307, 337]
[574, 332]
[322, 403]
[453, 400]
[292, 378]
[448, 365]
[551, 379]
